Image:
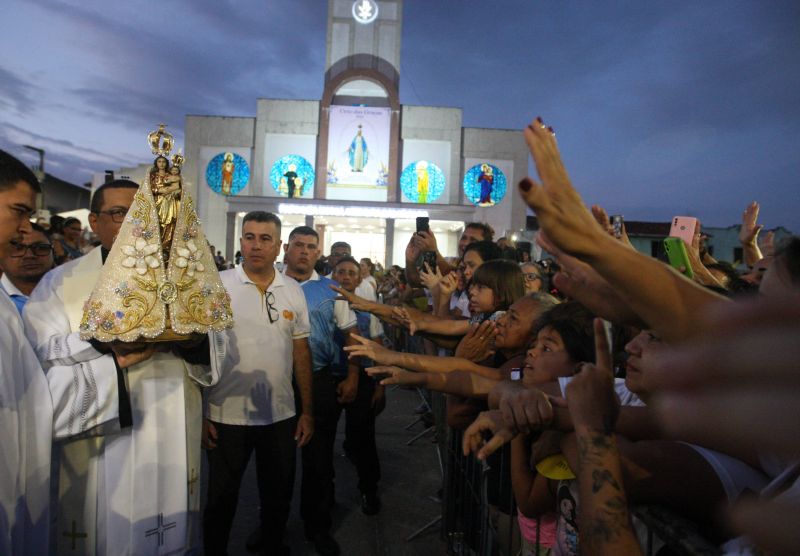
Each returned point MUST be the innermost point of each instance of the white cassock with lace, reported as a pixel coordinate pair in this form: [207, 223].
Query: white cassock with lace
[132, 490]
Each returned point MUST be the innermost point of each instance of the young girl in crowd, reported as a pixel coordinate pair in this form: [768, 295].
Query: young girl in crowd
[563, 338]
[493, 287]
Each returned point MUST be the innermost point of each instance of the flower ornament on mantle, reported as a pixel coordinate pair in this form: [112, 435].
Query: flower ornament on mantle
[141, 256]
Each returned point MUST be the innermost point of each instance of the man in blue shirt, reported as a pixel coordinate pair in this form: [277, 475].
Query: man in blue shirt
[335, 384]
[359, 443]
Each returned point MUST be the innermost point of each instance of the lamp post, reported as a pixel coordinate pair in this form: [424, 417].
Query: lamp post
[40, 172]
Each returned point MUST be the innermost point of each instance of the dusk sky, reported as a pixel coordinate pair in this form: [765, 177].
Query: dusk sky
[660, 108]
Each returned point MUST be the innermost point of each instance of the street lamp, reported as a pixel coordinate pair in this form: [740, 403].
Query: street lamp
[40, 172]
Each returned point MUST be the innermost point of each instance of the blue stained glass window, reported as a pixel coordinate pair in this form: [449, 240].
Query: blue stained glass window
[422, 182]
[485, 185]
[292, 176]
[227, 173]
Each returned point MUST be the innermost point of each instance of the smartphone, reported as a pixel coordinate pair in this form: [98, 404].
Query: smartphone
[684, 227]
[678, 257]
[430, 258]
[617, 222]
[423, 224]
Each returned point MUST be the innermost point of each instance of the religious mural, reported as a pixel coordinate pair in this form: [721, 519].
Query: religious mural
[227, 173]
[292, 176]
[422, 182]
[484, 185]
[358, 153]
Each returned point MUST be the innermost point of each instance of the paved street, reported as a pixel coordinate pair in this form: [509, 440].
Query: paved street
[410, 476]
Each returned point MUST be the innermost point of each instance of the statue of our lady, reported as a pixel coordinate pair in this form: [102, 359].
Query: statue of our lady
[159, 281]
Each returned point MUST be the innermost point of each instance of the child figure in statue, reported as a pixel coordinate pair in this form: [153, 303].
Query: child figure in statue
[167, 194]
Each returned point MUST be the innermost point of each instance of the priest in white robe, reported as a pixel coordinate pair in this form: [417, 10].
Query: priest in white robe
[26, 411]
[131, 485]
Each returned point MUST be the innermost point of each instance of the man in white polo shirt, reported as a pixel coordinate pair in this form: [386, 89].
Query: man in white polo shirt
[252, 407]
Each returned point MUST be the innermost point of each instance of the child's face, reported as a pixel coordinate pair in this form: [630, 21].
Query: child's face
[481, 299]
[547, 359]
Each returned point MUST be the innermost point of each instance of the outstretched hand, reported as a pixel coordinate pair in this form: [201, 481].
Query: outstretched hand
[577, 280]
[448, 284]
[371, 350]
[488, 421]
[748, 233]
[402, 315]
[478, 343]
[558, 206]
[430, 277]
[391, 374]
[356, 303]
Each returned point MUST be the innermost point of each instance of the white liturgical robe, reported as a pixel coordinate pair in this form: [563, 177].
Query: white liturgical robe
[26, 434]
[121, 489]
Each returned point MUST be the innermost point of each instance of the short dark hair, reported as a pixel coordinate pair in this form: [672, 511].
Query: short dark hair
[487, 250]
[13, 171]
[347, 259]
[99, 194]
[341, 244]
[261, 216]
[70, 220]
[303, 231]
[504, 278]
[37, 228]
[486, 229]
[575, 324]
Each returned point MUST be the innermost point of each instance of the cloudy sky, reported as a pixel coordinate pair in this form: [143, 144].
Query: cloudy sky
[661, 108]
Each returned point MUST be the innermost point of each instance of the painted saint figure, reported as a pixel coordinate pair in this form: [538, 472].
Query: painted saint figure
[422, 181]
[358, 152]
[486, 181]
[290, 180]
[227, 174]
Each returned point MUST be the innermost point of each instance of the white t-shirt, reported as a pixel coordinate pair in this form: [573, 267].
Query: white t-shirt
[255, 387]
[460, 301]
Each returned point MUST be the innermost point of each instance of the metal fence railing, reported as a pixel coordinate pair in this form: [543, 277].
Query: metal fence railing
[478, 508]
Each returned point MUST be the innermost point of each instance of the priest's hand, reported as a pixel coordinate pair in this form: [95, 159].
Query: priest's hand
[305, 430]
[129, 354]
[208, 438]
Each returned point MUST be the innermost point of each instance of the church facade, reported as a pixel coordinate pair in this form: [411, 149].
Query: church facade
[356, 165]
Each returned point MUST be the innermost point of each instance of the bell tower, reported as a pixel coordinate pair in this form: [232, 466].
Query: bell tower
[366, 34]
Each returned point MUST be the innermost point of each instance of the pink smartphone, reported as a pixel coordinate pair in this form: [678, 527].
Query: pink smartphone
[684, 227]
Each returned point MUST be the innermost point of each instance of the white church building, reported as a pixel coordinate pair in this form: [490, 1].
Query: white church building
[356, 165]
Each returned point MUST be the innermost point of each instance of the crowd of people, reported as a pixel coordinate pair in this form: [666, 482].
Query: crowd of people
[613, 379]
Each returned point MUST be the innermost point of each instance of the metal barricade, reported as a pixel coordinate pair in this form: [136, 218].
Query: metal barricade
[479, 511]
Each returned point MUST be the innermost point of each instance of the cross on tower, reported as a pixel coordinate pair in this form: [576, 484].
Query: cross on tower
[193, 478]
[160, 529]
[73, 535]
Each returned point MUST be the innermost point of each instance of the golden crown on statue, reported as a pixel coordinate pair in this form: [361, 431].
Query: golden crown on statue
[178, 159]
[160, 141]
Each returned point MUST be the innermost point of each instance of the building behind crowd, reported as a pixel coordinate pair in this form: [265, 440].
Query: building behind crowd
[356, 164]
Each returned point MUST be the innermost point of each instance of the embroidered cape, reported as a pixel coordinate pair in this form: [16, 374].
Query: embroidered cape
[140, 296]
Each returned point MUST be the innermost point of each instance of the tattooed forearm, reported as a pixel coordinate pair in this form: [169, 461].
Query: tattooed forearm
[602, 477]
[603, 521]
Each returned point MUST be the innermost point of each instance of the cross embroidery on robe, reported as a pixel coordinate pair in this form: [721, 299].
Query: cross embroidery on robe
[73, 535]
[160, 529]
[193, 478]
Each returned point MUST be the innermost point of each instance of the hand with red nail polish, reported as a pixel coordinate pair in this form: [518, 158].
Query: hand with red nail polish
[556, 203]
